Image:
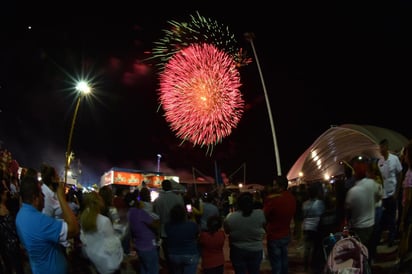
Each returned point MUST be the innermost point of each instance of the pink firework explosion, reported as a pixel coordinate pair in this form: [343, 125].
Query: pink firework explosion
[199, 92]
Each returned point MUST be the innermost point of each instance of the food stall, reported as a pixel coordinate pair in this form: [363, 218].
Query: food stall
[135, 178]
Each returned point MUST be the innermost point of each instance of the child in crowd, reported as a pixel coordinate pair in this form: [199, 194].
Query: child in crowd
[211, 246]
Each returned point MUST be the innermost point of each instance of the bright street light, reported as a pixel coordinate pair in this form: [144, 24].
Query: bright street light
[158, 162]
[82, 89]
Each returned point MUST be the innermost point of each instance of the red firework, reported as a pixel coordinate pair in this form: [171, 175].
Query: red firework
[199, 92]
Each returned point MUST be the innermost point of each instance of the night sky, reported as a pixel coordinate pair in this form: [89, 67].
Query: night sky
[323, 64]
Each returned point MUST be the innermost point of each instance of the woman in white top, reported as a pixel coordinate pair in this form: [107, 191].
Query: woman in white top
[50, 179]
[99, 241]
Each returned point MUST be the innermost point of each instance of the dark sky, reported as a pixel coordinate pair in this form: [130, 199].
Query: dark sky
[323, 64]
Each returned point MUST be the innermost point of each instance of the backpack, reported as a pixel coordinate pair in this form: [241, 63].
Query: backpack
[348, 256]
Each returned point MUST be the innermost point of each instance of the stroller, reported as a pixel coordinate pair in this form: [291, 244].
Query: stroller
[345, 254]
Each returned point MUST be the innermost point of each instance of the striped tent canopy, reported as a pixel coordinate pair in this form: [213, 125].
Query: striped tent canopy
[339, 144]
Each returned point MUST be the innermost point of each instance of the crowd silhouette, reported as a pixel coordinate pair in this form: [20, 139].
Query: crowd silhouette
[50, 227]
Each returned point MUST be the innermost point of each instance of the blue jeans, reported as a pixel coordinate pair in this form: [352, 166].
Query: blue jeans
[184, 264]
[149, 261]
[278, 255]
[245, 261]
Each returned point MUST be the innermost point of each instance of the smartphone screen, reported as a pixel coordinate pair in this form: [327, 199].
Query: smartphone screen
[189, 207]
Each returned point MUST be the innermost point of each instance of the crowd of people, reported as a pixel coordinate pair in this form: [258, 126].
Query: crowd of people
[372, 200]
[50, 227]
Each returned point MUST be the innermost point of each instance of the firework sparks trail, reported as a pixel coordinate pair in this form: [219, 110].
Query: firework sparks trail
[198, 30]
[199, 92]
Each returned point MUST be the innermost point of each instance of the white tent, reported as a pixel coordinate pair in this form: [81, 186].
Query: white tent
[338, 144]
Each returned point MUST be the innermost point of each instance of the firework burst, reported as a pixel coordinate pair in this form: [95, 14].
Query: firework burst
[197, 31]
[199, 92]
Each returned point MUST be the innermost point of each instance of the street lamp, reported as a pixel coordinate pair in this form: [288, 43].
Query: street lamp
[82, 88]
[158, 162]
[250, 36]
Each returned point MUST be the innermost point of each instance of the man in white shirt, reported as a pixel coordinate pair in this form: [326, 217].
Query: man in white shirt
[391, 169]
[360, 202]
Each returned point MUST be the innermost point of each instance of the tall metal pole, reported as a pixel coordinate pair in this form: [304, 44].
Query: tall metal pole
[250, 36]
[69, 143]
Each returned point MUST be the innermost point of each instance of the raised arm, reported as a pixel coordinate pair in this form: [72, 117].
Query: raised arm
[73, 227]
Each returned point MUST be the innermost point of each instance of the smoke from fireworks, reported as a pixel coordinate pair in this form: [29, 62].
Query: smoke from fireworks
[197, 31]
[199, 92]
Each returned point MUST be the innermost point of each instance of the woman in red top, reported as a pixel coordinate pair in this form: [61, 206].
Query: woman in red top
[211, 246]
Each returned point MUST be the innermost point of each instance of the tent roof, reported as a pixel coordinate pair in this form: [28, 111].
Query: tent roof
[341, 143]
[252, 188]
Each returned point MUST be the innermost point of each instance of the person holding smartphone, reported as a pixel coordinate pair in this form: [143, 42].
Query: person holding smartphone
[182, 241]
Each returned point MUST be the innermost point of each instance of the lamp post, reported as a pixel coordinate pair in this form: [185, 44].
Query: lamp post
[158, 162]
[250, 36]
[82, 88]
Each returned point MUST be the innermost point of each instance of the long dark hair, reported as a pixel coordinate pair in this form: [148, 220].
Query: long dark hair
[245, 203]
[408, 154]
[178, 214]
[49, 176]
[214, 223]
